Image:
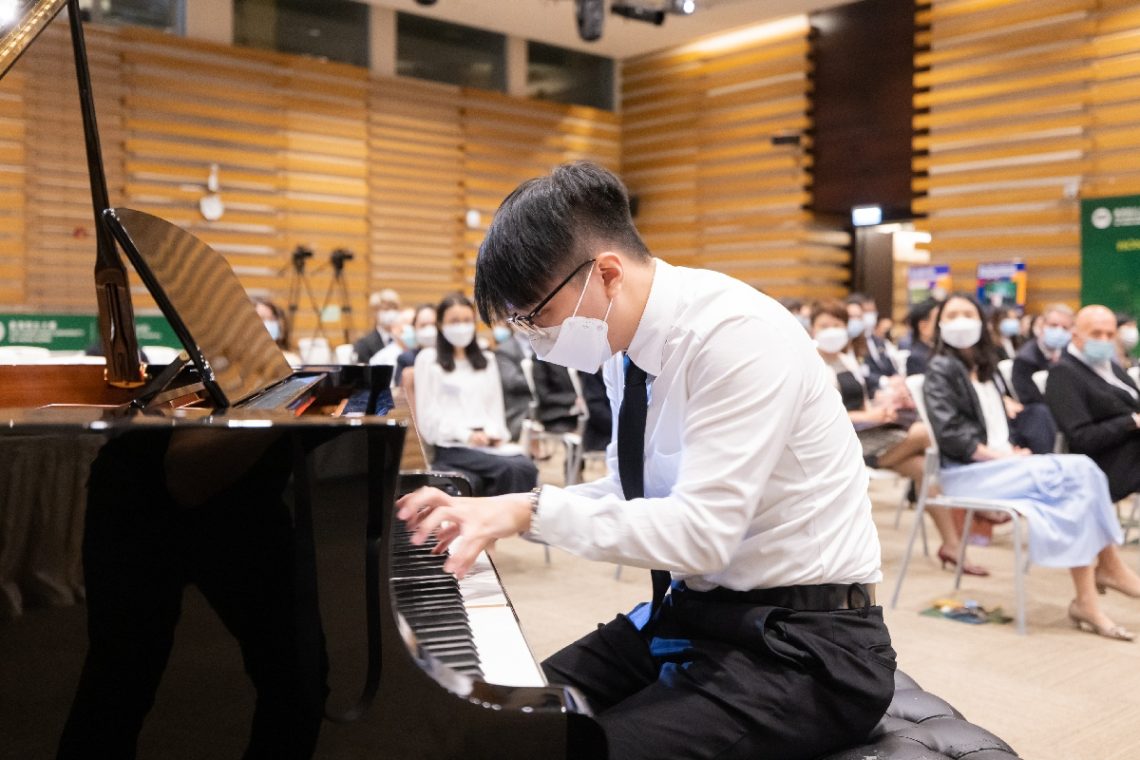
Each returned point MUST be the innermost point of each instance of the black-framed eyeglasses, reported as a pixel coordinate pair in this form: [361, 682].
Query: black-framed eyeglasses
[524, 323]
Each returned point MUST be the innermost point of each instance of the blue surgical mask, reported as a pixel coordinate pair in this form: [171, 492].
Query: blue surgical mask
[1010, 327]
[1055, 338]
[855, 328]
[502, 333]
[408, 336]
[1099, 351]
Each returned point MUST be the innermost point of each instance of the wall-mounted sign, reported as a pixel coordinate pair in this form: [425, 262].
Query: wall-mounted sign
[1002, 283]
[925, 282]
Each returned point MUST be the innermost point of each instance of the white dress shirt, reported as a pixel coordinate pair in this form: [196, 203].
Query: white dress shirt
[754, 476]
[450, 405]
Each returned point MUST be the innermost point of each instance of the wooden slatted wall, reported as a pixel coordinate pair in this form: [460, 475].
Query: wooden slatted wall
[508, 140]
[698, 123]
[1024, 107]
[1115, 101]
[416, 196]
[12, 207]
[59, 217]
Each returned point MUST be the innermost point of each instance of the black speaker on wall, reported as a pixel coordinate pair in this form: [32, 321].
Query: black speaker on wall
[590, 16]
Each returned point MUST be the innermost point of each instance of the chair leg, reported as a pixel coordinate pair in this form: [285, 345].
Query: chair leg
[903, 502]
[1018, 577]
[919, 509]
[966, 525]
[546, 553]
[617, 572]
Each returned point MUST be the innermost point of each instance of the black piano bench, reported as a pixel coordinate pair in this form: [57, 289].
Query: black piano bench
[921, 726]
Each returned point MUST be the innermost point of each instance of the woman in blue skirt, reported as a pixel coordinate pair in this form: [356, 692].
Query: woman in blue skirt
[1072, 520]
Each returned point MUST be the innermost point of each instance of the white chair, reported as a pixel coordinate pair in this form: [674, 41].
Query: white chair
[900, 357]
[932, 466]
[1040, 378]
[1005, 367]
[1134, 373]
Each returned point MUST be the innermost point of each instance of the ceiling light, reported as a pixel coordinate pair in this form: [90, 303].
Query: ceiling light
[639, 13]
[683, 7]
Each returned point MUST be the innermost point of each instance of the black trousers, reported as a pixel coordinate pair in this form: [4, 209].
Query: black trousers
[490, 475]
[140, 551]
[714, 679]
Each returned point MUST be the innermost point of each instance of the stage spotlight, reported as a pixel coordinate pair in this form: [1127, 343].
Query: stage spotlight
[590, 15]
[639, 13]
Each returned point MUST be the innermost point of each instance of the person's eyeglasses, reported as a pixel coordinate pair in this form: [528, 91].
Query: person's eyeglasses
[524, 323]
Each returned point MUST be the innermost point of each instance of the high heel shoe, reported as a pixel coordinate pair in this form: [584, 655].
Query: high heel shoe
[1116, 632]
[967, 569]
[1101, 585]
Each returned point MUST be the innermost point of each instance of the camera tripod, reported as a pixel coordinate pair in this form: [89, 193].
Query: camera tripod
[327, 307]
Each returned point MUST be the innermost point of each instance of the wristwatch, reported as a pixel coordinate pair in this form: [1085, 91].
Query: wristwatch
[533, 533]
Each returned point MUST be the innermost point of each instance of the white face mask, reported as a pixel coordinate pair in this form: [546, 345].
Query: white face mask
[831, 340]
[1129, 337]
[580, 343]
[425, 336]
[870, 319]
[961, 332]
[459, 334]
[387, 318]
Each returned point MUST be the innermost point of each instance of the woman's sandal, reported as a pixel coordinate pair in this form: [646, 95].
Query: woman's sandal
[1116, 632]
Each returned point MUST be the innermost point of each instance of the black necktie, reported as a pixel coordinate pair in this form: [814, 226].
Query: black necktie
[631, 454]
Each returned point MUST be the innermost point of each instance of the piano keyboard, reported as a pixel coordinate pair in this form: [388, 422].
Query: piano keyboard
[468, 625]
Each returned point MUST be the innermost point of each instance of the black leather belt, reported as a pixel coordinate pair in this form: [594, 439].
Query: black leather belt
[824, 597]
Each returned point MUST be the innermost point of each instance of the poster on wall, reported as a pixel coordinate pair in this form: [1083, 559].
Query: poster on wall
[1002, 283]
[925, 282]
[76, 332]
[1110, 252]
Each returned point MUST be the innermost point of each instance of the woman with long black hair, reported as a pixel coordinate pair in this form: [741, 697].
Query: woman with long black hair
[459, 406]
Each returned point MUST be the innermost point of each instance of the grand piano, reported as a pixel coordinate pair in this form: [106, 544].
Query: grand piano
[226, 491]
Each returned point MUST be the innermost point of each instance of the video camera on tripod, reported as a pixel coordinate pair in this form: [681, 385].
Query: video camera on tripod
[326, 311]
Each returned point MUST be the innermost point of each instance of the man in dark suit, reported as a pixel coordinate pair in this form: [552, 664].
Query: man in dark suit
[1051, 335]
[1095, 402]
[878, 362]
[386, 305]
[517, 396]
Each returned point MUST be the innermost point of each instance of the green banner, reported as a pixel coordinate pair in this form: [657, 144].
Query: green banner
[75, 332]
[1110, 252]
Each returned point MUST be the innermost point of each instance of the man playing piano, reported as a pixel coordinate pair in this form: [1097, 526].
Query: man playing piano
[734, 468]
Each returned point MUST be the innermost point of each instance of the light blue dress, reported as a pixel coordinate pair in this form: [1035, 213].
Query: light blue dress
[1064, 496]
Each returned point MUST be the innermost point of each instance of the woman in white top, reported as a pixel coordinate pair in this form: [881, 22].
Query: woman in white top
[459, 407]
[1072, 520]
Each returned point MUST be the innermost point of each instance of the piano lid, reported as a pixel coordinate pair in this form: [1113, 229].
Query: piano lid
[21, 21]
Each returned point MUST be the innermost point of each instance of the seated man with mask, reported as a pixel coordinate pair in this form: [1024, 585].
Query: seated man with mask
[1051, 335]
[735, 475]
[1095, 402]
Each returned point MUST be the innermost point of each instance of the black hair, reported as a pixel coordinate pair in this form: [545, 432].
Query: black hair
[1123, 318]
[282, 340]
[422, 307]
[919, 313]
[984, 354]
[544, 229]
[445, 352]
[792, 304]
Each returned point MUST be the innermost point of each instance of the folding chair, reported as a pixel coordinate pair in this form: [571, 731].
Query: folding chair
[932, 467]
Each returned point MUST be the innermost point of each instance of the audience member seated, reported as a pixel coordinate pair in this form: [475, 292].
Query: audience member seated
[1127, 337]
[920, 320]
[459, 407]
[868, 348]
[1005, 329]
[599, 421]
[1066, 498]
[891, 437]
[559, 407]
[385, 304]
[396, 348]
[417, 335]
[800, 308]
[884, 329]
[510, 351]
[273, 316]
[1050, 336]
[1095, 402]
